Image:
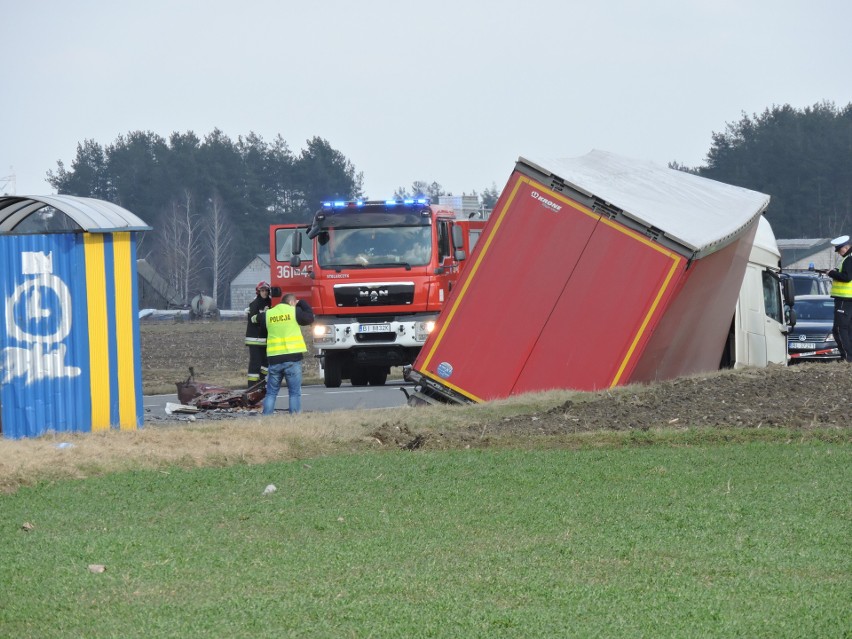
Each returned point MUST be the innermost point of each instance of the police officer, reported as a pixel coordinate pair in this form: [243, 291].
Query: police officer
[285, 348]
[256, 334]
[841, 291]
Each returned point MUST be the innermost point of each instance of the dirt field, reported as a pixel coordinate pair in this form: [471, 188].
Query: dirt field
[215, 350]
[803, 396]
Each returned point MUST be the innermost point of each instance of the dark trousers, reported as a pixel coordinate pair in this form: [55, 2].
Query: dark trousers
[257, 364]
[842, 328]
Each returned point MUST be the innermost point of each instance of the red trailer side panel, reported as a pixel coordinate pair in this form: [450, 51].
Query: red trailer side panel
[691, 336]
[606, 313]
[623, 279]
[486, 324]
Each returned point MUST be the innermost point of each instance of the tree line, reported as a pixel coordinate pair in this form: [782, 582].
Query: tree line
[211, 201]
[801, 158]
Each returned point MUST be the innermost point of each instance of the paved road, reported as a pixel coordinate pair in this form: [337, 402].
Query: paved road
[316, 398]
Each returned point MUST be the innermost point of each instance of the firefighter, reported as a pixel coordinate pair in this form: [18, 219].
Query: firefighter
[841, 291]
[256, 334]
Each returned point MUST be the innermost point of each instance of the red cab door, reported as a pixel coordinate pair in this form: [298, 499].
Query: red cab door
[284, 277]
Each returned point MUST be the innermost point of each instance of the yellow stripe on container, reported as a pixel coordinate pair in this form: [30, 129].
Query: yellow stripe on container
[124, 330]
[96, 299]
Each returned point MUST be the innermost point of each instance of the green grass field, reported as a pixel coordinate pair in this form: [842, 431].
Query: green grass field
[744, 540]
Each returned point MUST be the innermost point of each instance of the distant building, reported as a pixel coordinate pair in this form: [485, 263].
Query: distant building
[465, 206]
[802, 253]
[243, 285]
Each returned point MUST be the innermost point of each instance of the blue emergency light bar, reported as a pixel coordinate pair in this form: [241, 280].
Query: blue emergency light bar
[351, 204]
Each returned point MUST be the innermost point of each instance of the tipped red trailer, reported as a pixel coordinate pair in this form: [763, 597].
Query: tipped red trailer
[592, 272]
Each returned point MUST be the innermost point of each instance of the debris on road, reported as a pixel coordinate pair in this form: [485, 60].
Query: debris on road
[206, 396]
[172, 408]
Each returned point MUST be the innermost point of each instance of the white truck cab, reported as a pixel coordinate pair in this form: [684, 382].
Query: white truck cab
[758, 335]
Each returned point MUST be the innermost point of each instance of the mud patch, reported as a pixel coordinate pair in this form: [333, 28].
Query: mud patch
[796, 397]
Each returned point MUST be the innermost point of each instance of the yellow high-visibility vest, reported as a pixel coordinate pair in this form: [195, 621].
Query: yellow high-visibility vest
[284, 336]
[838, 288]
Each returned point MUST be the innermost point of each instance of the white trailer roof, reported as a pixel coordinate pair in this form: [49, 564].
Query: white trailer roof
[701, 214]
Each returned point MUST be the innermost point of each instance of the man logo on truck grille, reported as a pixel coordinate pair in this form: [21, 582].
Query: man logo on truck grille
[374, 294]
[553, 206]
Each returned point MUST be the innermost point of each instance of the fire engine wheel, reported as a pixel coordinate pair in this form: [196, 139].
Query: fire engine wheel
[377, 377]
[332, 372]
[360, 376]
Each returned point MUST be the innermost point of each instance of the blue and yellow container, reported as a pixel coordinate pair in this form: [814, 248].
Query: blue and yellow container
[70, 352]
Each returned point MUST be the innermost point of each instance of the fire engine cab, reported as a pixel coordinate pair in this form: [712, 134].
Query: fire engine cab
[377, 274]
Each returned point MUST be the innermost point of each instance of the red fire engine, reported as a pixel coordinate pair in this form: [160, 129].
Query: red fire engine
[377, 274]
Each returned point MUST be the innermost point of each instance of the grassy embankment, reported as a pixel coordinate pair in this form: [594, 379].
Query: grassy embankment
[687, 540]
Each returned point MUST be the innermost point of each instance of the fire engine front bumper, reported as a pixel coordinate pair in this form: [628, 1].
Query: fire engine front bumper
[341, 333]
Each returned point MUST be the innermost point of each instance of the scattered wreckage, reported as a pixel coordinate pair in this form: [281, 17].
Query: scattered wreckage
[196, 396]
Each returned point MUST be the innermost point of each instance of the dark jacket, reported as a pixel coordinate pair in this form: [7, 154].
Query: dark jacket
[844, 274]
[256, 331]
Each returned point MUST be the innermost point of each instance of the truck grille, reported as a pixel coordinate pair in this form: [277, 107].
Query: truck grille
[366, 338]
[379, 294]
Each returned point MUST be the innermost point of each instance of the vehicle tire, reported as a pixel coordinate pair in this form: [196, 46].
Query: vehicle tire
[360, 376]
[377, 377]
[332, 371]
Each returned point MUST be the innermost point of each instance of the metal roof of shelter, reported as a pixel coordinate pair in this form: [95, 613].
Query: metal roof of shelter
[80, 214]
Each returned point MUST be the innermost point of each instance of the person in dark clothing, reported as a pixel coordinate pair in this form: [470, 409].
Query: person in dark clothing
[256, 334]
[841, 291]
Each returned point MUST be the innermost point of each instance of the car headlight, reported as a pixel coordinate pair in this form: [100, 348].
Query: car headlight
[422, 330]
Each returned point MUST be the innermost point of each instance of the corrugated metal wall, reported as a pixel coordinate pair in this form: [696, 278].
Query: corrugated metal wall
[70, 351]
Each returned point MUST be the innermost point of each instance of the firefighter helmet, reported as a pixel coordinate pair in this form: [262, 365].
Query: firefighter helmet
[261, 285]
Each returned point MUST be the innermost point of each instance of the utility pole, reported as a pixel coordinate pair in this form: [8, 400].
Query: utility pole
[7, 183]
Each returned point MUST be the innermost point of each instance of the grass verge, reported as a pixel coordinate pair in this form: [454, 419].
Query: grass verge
[681, 540]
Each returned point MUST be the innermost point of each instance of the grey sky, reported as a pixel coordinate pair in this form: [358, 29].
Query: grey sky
[451, 91]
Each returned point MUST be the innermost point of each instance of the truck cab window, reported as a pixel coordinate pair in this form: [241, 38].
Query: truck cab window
[375, 246]
[443, 240]
[772, 297]
[284, 245]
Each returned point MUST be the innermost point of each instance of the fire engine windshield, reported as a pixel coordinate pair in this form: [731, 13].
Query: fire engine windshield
[375, 247]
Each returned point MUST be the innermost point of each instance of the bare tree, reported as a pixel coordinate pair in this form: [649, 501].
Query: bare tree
[181, 245]
[219, 234]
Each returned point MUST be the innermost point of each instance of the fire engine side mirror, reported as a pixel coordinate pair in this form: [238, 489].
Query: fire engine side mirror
[458, 237]
[460, 255]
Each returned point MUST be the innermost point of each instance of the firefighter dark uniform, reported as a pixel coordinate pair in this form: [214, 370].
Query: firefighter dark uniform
[841, 291]
[256, 335]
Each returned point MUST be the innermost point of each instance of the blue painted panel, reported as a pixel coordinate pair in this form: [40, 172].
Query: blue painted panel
[44, 338]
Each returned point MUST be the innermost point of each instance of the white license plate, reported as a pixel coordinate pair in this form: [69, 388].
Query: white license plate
[803, 346]
[374, 328]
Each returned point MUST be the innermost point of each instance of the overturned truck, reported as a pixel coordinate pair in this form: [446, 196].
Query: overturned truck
[592, 272]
